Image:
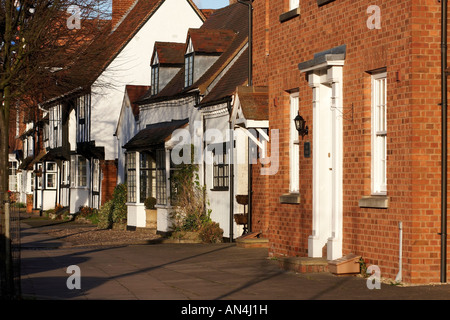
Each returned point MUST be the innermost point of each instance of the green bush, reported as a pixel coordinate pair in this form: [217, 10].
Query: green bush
[150, 203]
[105, 220]
[119, 213]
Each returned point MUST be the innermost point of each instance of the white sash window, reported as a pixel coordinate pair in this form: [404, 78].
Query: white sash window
[379, 133]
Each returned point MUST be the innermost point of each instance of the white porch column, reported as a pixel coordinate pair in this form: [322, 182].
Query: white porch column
[314, 243]
[334, 244]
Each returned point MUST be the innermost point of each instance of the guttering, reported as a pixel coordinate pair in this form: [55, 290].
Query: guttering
[443, 232]
[41, 105]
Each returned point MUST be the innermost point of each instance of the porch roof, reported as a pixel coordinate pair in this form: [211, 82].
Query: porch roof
[153, 135]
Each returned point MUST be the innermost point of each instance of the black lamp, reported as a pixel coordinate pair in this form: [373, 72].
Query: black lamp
[300, 125]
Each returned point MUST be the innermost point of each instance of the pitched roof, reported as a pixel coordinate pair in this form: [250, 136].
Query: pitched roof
[169, 52]
[154, 134]
[134, 92]
[211, 40]
[115, 41]
[237, 75]
[254, 102]
[207, 12]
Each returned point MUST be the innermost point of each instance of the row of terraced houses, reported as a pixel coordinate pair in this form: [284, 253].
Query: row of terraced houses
[362, 174]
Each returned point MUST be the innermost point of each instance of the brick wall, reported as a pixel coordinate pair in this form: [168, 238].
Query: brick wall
[408, 45]
[109, 179]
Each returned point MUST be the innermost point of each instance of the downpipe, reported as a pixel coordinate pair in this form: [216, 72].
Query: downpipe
[443, 233]
[398, 278]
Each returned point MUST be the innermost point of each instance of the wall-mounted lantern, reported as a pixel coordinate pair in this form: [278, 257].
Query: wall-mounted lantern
[300, 125]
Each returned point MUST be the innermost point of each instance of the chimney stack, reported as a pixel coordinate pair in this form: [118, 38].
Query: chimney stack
[119, 9]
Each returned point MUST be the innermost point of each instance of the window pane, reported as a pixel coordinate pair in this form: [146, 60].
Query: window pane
[161, 196]
[51, 180]
[379, 96]
[294, 149]
[82, 172]
[220, 167]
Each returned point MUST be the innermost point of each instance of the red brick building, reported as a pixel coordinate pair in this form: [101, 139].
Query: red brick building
[365, 75]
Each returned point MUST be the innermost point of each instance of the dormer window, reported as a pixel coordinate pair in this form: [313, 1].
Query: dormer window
[189, 65]
[155, 75]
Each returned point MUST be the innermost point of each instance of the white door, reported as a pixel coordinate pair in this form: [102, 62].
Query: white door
[327, 166]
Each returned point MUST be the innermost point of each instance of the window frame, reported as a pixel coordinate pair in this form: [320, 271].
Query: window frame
[130, 158]
[51, 170]
[379, 133]
[65, 173]
[83, 115]
[55, 126]
[189, 69]
[293, 4]
[95, 175]
[220, 168]
[161, 178]
[147, 173]
[12, 172]
[76, 171]
[294, 145]
[155, 79]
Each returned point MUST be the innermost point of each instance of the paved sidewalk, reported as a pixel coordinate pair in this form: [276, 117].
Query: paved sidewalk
[185, 272]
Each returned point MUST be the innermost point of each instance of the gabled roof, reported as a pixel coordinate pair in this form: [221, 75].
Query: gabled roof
[116, 40]
[254, 102]
[169, 53]
[134, 92]
[231, 18]
[210, 40]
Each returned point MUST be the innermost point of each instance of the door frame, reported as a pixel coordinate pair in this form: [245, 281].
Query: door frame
[326, 83]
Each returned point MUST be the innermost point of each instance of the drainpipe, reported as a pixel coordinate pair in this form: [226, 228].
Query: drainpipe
[443, 232]
[250, 83]
[398, 278]
[231, 171]
[250, 40]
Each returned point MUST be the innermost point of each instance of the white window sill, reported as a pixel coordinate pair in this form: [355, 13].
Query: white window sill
[289, 15]
[290, 198]
[374, 201]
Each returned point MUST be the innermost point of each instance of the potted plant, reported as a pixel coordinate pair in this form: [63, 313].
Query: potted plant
[150, 212]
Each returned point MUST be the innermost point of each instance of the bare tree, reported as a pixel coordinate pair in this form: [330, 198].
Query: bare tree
[46, 49]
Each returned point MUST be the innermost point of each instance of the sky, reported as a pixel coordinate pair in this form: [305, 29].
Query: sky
[211, 4]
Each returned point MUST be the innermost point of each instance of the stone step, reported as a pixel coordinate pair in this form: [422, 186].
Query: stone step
[252, 240]
[303, 264]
